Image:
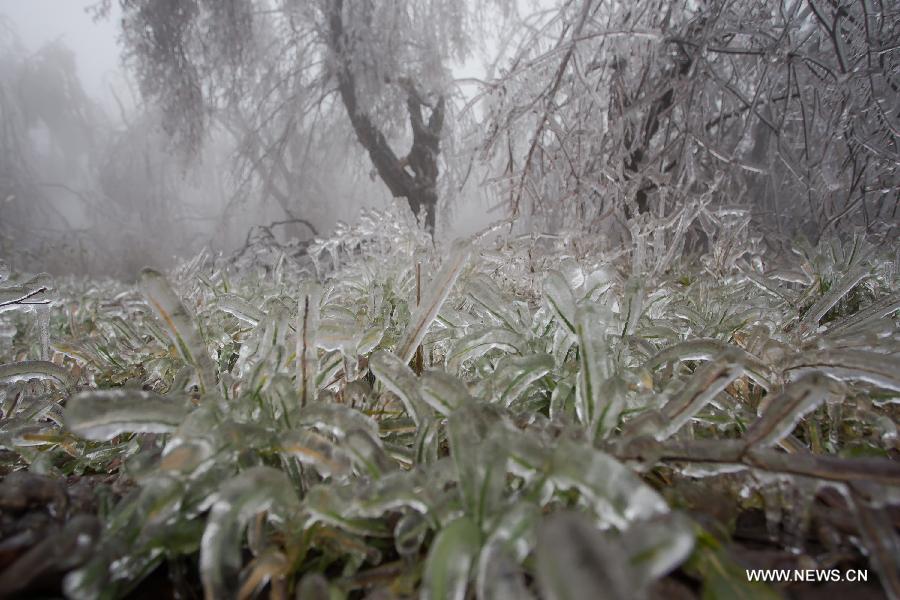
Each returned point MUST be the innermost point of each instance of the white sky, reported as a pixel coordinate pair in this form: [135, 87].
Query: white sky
[94, 43]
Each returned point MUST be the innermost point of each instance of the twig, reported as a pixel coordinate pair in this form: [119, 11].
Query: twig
[26, 297]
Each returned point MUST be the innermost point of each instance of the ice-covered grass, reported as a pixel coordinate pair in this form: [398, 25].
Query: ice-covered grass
[533, 416]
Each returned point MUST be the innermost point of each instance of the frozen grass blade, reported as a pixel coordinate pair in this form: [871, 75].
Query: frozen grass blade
[598, 412]
[657, 546]
[450, 559]
[239, 308]
[240, 499]
[443, 392]
[560, 298]
[179, 325]
[515, 374]
[438, 290]
[104, 414]
[705, 384]
[787, 409]
[401, 380]
[837, 291]
[36, 369]
[874, 312]
[610, 490]
[481, 341]
[480, 464]
[316, 450]
[882, 370]
[337, 419]
[575, 561]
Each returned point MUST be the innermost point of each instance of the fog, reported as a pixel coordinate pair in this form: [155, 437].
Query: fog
[136, 134]
[93, 184]
[92, 41]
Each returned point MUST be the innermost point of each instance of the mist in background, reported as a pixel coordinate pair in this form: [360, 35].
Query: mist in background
[90, 184]
[118, 152]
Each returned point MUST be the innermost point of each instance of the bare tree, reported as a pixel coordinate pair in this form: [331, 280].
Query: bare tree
[289, 62]
[47, 135]
[789, 106]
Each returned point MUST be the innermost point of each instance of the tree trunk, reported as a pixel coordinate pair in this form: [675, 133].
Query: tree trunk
[419, 187]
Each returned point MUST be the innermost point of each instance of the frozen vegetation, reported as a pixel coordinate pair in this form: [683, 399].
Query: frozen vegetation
[675, 355]
[550, 418]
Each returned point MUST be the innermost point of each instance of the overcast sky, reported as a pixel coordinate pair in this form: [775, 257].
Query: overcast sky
[94, 43]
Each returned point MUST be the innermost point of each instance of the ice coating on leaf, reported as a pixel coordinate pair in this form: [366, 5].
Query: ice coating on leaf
[338, 332]
[36, 369]
[698, 349]
[786, 409]
[239, 499]
[332, 505]
[704, 385]
[481, 341]
[179, 324]
[329, 459]
[838, 290]
[575, 561]
[596, 412]
[443, 392]
[401, 380]
[487, 297]
[104, 414]
[480, 462]
[874, 312]
[708, 349]
[450, 558]
[436, 293]
[499, 575]
[370, 339]
[409, 533]
[614, 493]
[367, 453]
[337, 419]
[240, 308]
[658, 545]
[634, 304]
[560, 298]
[879, 369]
[514, 375]
[515, 528]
